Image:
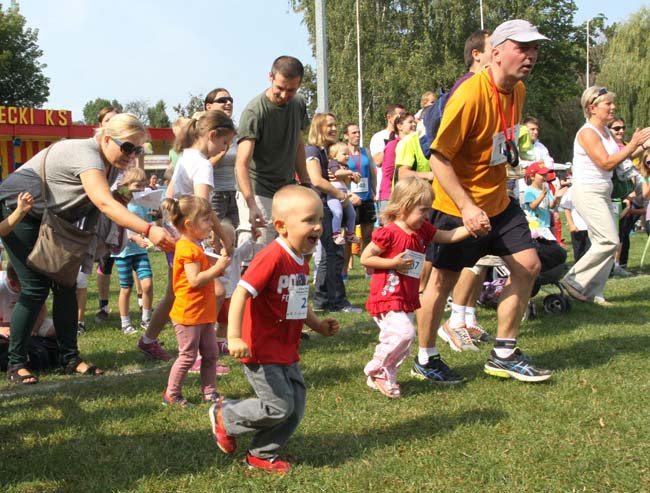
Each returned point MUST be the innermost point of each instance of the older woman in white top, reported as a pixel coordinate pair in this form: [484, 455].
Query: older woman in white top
[595, 155]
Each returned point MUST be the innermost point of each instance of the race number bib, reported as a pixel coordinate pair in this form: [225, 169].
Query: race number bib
[499, 148]
[297, 305]
[360, 187]
[416, 266]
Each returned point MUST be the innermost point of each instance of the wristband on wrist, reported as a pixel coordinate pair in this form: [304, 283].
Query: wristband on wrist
[146, 231]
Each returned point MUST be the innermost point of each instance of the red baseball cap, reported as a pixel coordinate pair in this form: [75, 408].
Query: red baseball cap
[537, 167]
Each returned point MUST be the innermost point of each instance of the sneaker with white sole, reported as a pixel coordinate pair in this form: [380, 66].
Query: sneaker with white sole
[518, 366]
[478, 333]
[457, 337]
[436, 371]
[129, 330]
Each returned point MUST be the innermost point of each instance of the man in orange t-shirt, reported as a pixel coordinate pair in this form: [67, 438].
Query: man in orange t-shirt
[475, 143]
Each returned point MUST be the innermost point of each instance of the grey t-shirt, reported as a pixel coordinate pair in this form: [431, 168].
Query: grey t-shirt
[276, 131]
[65, 162]
[224, 173]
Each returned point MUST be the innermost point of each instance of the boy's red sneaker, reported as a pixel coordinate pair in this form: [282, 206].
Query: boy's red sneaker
[271, 465]
[225, 442]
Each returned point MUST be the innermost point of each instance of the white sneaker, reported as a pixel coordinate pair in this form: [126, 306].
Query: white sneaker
[458, 338]
[129, 330]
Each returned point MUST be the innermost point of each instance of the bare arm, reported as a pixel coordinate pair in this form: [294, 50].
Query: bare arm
[96, 187]
[371, 257]
[236, 345]
[322, 184]
[325, 327]
[451, 236]
[569, 221]
[378, 158]
[198, 278]
[404, 171]
[242, 169]
[301, 165]
[535, 203]
[474, 218]
[590, 141]
[24, 204]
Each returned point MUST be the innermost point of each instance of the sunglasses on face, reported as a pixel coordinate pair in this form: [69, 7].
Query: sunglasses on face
[128, 148]
[223, 100]
[602, 92]
[618, 128]
[512, 153]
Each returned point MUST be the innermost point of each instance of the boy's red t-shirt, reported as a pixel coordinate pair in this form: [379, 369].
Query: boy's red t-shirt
[271, 338]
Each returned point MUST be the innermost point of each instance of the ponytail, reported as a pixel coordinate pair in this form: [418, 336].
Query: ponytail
[185, 207]
[199, 125]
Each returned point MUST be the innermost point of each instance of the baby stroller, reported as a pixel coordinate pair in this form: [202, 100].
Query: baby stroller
[553, 259]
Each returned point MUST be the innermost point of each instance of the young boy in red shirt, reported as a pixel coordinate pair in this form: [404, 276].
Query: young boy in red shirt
[267, 313]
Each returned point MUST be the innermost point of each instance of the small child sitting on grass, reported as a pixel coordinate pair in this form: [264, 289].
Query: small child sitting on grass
[267, 313]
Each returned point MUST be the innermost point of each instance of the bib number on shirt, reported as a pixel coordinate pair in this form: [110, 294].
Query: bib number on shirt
[416, 266]
[360, 187]
[297, 305]
[499, 148]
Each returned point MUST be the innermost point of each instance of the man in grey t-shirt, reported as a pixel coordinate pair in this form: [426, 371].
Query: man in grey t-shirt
[270, 148]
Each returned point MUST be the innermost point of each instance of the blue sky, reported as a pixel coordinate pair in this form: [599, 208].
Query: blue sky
[151, 50]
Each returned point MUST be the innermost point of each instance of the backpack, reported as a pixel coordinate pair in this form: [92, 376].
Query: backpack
[431, 118]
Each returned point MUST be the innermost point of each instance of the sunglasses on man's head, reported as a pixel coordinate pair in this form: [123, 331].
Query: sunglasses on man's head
[618, 128]
[128, 148]
[223, 100]
[602, 92]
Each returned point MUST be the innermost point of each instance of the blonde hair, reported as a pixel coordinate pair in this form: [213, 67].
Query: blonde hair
[335, 148]
[134, 175]
[290, 198]
[179, 123]
[317, 129]
[590, 96]
[186, 207]
[427, 99]
[409, 193]
[197, 127]
[122, 126]
[643, 168]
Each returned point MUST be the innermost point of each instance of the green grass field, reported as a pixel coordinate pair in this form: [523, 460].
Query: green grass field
[586, 430]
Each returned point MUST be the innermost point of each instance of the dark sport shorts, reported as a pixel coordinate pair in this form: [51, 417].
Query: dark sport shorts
[366, 213]
[510, 234]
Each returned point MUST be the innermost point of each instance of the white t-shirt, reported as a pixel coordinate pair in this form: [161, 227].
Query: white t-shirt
[192, 168]
[8, 299]
[232, 274]
[566, 202]
[542, 154]
[584, 170]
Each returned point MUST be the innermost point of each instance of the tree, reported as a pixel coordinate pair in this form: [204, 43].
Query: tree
[308, 90]
[627, 54]
[411, 46]
[140, 108]
[157, 115]
[22, 82]
[92, 108]
[193, 105]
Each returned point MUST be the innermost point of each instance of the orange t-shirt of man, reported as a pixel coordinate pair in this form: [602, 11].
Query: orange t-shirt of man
[469, 123]
[192, 306]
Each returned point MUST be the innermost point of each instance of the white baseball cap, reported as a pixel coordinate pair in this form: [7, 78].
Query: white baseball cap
[516, 30]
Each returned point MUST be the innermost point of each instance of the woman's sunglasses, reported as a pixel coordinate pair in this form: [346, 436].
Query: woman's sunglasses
[602, 92]
[618, 129]
[223, 100]
[128, 148]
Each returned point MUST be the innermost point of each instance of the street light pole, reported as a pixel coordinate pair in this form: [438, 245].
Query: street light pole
[587, 74]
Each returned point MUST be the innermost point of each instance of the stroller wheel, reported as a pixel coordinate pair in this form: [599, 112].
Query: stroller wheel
[556, 303]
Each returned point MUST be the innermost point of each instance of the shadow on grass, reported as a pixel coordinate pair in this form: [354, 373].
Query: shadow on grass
[333, 449]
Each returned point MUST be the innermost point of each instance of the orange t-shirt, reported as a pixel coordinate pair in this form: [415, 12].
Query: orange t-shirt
[469, 123]
[192, 306]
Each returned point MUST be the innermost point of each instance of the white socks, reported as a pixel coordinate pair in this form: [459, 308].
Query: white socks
[424, 353]
[457, 318]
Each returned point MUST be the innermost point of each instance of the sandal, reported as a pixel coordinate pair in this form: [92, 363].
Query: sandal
[72, 367]
[15, 377]
[391, 390]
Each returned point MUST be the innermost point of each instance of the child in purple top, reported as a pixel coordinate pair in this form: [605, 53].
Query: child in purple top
[338, 167]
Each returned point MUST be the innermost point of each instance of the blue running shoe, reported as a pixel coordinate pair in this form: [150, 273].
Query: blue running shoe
[436, 371]
[517, 365]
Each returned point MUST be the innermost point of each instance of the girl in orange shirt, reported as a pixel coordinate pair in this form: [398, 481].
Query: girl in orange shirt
[195, 305]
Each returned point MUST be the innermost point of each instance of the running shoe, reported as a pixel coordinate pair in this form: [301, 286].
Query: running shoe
[129, 330]
[101, 316]
[154, 350]
[436, 371]
[457, 337]
[144, 324]
[226, 443]
[478, 333]
[271, 465]
[517, 365]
